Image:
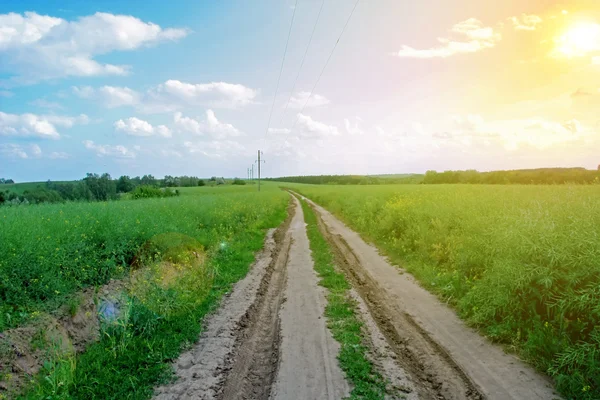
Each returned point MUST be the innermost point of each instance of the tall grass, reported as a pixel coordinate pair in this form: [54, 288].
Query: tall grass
[521, 263]
[49, 251]
[75, 245]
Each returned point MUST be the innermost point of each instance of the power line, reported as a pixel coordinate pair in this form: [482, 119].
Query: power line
[281, 69]
[322, 70]
[302, 62]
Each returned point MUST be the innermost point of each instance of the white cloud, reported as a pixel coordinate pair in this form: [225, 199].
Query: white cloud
[138, 127]
[309, 128]
[118, 96]
[6, 93]
[353, 129]
[299, 100]
[526, 22]
[20, 151]
[44, 126]
[279, 131]
[85, 92]
[13, 150]
[211, 126]
[118, 151]
[478, 37]
[36, 150]
[40, 46]
[43, 103]
[58, 155]
[215, 94]
[216, 148]
[170, 96]
[109, 96]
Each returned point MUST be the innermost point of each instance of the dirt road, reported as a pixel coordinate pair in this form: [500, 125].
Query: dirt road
[269, 339]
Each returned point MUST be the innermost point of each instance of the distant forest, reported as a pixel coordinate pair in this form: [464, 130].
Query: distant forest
[96, 187]
[538, 176]
[352, 179]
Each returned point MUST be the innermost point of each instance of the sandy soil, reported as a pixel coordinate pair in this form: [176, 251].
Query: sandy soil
[308, 367]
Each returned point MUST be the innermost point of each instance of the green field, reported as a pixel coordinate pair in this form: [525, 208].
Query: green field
[521, 263]
[49, 252]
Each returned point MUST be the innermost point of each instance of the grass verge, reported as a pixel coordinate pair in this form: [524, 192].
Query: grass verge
[135, 350]
[341, 313]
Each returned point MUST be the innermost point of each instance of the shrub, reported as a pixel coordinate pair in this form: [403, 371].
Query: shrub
[147, 192]
[238, 181]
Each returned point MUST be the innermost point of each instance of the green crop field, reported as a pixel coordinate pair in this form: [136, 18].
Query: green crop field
[520, 263]
[50, 252]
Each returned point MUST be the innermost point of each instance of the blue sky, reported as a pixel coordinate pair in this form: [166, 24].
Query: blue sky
[186, 87]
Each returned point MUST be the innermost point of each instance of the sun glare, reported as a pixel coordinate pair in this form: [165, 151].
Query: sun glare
[580, 40]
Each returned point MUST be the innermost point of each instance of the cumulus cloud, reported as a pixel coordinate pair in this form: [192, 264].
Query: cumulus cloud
[526, 22]
[109, 96]
[43, 126]
[21, 151]
[41, 47]
[214, 94]
[170, 96]
[138, 127]
[301, 100]
[310, 128]
[117, 151]
[211, 125]
[477, 37]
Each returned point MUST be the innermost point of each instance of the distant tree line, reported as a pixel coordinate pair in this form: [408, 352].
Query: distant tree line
[96, 187]
[547, 176]
[4, 181]
[555, 176]
[350, 179]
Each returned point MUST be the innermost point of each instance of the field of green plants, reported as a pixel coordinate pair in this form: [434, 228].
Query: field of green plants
[520, 263]
[49, 252]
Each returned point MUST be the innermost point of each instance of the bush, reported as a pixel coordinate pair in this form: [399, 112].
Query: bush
[238, 181]
[147, 192]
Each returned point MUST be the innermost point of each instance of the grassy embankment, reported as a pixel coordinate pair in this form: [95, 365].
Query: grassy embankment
[521, 263]
[49, 252]
[341, 317]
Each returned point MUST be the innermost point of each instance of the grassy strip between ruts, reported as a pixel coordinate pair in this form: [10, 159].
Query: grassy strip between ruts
[342, 319]
[134, 355]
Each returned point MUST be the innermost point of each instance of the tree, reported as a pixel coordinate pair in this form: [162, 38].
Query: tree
[125, 184]
[169, 181]
[148, 180]
[102, 187]
[201, 182]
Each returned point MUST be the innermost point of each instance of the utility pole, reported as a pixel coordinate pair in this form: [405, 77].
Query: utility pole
[252, 172]
[259, 161]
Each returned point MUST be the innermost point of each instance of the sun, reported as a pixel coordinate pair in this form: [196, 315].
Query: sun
[579, 40]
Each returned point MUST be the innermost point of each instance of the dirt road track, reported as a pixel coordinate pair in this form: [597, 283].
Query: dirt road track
[308, 366]
[269, 338]
[444, 358]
